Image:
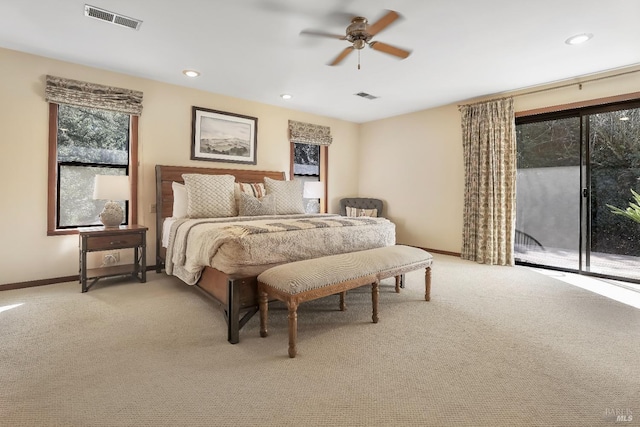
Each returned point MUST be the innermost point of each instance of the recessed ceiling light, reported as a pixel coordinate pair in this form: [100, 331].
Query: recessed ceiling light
[578, 39]
[191, 73]
[286, 96]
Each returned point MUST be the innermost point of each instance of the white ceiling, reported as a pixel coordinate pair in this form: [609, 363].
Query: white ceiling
[252, 49]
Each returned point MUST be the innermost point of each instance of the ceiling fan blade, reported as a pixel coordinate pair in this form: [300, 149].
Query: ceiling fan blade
[383, 22]
[391, 50]
[342, 55]
[322, 34]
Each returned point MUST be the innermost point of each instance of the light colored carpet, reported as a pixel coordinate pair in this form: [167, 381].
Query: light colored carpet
[496, 346]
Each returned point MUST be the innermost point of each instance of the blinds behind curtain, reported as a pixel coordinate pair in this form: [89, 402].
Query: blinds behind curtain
[307, 133]
[489, 146]
[74, 92]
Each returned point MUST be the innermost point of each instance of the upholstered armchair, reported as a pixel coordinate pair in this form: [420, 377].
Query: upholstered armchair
[361, 203]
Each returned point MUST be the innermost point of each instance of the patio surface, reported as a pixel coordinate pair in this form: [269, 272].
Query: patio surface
[621, 267]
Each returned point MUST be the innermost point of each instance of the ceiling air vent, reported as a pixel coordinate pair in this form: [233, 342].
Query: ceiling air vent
[114, 18]
[366, 95]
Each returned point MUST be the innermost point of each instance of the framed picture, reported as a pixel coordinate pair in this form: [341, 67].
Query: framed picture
[219, 136]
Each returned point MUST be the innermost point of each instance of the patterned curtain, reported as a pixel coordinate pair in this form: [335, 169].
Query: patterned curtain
[306, 133]
[91, 95]
[489, 145]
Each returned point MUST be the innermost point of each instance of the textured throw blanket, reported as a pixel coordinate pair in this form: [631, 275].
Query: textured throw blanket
[249, 245]
[301, 224]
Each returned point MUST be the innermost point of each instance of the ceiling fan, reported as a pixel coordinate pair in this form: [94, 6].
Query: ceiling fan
[360, 33]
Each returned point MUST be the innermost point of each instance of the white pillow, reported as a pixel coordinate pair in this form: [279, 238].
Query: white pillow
[288, 195]
[179, 200]
[210, 196]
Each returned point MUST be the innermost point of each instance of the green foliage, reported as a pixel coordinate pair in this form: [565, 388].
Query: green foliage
[306, 159]
[92, 136]
[550, 143]
[306, 154]
[632, 212]
[556, 142]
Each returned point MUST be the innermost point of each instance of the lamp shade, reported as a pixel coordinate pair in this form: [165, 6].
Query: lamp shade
[111, 187]
[313, 190]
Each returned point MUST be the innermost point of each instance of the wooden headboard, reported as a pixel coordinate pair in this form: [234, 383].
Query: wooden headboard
[165, 175]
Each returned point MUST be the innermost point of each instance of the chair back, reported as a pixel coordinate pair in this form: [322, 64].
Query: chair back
[361, 203]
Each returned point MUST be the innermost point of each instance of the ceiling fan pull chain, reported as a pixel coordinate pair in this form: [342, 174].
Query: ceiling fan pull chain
[359, 59]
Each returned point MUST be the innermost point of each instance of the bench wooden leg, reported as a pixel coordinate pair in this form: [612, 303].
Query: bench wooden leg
[398, 284]
[264, 312]
[343, 305]
[427, 284]
[375, 293]
[293, 327]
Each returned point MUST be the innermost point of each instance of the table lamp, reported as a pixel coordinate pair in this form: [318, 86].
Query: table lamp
[112, 188]
[313, 190]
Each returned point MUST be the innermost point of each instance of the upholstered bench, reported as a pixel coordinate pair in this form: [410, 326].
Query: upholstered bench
[301, 281]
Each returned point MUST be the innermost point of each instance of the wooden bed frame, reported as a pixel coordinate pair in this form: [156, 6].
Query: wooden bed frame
[238, 295]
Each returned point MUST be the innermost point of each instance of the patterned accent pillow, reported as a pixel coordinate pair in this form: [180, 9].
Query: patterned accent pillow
[361, 212]
[253, 206]
[210, 196]
[255, 189]
[288, 195]
[179, 200]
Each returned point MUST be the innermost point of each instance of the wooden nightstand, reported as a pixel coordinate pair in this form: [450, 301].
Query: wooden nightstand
[96, 239]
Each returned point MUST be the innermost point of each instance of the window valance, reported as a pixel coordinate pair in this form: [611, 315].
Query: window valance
[307, 133]
[74, 92]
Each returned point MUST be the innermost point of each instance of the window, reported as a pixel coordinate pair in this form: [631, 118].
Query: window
[306, 167]
[308, 163]
[85, 142]
[309, 160]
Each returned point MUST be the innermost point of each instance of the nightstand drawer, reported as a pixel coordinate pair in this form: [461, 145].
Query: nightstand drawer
[97, 243]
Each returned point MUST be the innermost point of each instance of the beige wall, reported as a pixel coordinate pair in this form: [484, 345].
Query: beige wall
[26, 252]
[414, 164]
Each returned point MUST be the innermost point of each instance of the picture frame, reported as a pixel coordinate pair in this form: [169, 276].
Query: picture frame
[220, 136]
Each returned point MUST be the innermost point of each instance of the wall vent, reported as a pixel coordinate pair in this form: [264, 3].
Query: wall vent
[114, 18]
[366, 95]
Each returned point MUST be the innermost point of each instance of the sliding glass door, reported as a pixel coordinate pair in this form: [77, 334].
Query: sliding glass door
[572, 167]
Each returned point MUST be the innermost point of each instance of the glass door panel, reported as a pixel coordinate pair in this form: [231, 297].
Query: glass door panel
[612, 245]
[548, 193]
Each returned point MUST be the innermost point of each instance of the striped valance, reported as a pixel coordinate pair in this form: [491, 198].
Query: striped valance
[306, 133]
[91, 95]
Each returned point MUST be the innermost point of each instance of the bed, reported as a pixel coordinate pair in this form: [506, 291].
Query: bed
[222, 256]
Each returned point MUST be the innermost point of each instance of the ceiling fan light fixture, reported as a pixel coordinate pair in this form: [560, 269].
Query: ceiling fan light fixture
[360, 33]
[578, 39]
[191, 73]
